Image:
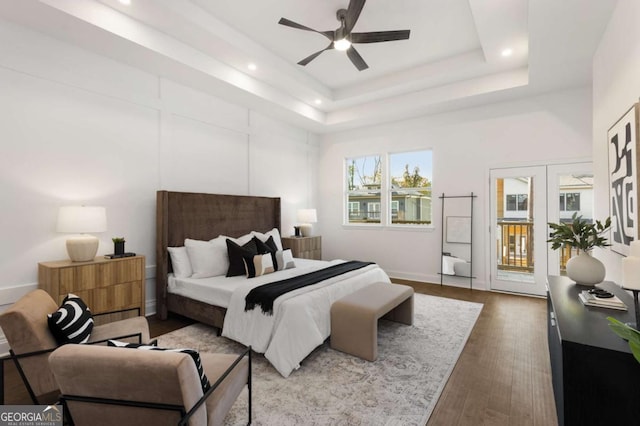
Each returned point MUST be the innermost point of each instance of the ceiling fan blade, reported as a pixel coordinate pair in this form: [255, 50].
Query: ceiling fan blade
[379, 36]
[311, 57]
[289, 23]
[356, 59]
[353, 13]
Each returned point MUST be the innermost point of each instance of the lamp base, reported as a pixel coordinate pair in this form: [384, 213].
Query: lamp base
[306, 230]
[82, 248]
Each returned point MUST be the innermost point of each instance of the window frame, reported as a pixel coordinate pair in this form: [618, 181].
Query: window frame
[386, 215]
[518, 200]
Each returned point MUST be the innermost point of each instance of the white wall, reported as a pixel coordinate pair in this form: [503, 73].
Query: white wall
[616, 87]
[76, 128]
[466, 144]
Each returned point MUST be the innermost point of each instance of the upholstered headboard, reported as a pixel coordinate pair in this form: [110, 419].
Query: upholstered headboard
[199, 216]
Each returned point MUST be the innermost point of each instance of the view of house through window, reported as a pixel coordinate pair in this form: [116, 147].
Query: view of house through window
[393, 189]
[364, 184]
[570, 202]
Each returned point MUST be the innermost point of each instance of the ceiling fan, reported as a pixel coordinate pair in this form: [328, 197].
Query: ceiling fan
[343, 39]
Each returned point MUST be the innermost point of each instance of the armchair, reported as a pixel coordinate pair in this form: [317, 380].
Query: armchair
[133, 387]
[25, 326]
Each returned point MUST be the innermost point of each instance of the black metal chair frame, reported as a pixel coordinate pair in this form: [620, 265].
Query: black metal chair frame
[185, 415]
[16, 358]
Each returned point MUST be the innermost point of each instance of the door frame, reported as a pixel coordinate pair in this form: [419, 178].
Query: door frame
[553, 168]
[538, 286]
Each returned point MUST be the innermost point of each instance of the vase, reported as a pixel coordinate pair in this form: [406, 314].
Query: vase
[118, 247]
[585, 269]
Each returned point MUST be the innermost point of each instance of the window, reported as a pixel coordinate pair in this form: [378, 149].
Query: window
[373, 211]
[354, 209]
[570, 202]
[517, 202]
[395, 205]
[393, 189]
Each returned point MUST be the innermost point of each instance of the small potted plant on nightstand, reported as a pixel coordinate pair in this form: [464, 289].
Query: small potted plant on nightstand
[118, 245]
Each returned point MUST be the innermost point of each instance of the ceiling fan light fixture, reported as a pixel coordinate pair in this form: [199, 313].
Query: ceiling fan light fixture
[342, 44]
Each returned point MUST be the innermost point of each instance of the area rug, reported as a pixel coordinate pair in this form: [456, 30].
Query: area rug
[332, 388]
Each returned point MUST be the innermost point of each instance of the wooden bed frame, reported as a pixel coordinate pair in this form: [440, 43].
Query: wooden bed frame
[198, 216]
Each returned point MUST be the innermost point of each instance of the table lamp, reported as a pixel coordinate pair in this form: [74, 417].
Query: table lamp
[306, 217]
[82, 220]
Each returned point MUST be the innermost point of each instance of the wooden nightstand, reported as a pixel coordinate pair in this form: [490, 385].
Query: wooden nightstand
[304, 247]
[105, 285]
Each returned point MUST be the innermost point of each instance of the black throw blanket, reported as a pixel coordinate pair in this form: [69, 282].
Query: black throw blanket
[265, 294]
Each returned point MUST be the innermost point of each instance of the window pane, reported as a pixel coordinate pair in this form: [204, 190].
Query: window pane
[364, 173]
[364, 207]
[522, 202]
[410, 187]
[363, 185]
[511, 202]
[573, 202]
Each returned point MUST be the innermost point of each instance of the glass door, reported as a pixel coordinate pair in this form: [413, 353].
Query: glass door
[570, 188]
[518, 230]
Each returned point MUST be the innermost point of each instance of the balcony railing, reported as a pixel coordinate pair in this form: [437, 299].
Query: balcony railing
[515, 247]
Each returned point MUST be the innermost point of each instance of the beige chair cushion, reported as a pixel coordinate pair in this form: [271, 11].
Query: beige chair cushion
[223, 398]
[25, 326]
[127, 374]
[147, 376]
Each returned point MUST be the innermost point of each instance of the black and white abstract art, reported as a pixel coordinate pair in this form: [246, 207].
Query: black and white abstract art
[623, 174]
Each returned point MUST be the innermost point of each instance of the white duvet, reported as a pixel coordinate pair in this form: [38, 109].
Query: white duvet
[300, 320]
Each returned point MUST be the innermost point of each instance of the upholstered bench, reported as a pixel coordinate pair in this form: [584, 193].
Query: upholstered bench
[354, 318]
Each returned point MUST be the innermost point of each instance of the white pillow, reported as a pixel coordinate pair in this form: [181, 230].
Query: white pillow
[284, 258]
[180, 262]
[208, 258]
[273, 233]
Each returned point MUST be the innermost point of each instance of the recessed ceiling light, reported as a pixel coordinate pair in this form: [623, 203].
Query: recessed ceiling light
[507, 52]
[317, 101]
[252, 67]
[125, 2]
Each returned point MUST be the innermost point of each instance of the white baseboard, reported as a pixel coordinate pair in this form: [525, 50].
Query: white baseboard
[451, 281]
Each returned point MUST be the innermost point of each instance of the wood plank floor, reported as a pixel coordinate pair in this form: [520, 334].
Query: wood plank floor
[503, 376]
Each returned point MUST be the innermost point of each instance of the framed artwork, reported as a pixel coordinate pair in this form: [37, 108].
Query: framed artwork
[458, 229]
[624, 149]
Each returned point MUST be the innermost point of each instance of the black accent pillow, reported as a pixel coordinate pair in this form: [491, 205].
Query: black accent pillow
[72, 322]
[268, 246]
[204, 380]
[236, 256]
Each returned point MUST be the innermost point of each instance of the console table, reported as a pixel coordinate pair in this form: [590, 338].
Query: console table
[596, 379]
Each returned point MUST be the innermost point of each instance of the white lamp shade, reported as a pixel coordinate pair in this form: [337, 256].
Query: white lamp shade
[307, 216]
[82, 219]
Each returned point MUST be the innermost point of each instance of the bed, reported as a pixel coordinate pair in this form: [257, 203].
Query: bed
[300, 320]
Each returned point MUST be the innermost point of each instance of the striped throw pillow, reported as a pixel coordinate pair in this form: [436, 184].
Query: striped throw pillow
[260, 264]
[204, 380]
[72, 322]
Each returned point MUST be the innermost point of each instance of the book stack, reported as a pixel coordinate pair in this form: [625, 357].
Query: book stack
[614, 302]
[118, 256]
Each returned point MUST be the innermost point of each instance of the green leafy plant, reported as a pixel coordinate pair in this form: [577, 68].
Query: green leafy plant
[118, 239]
[629, 334]
[579, 233]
